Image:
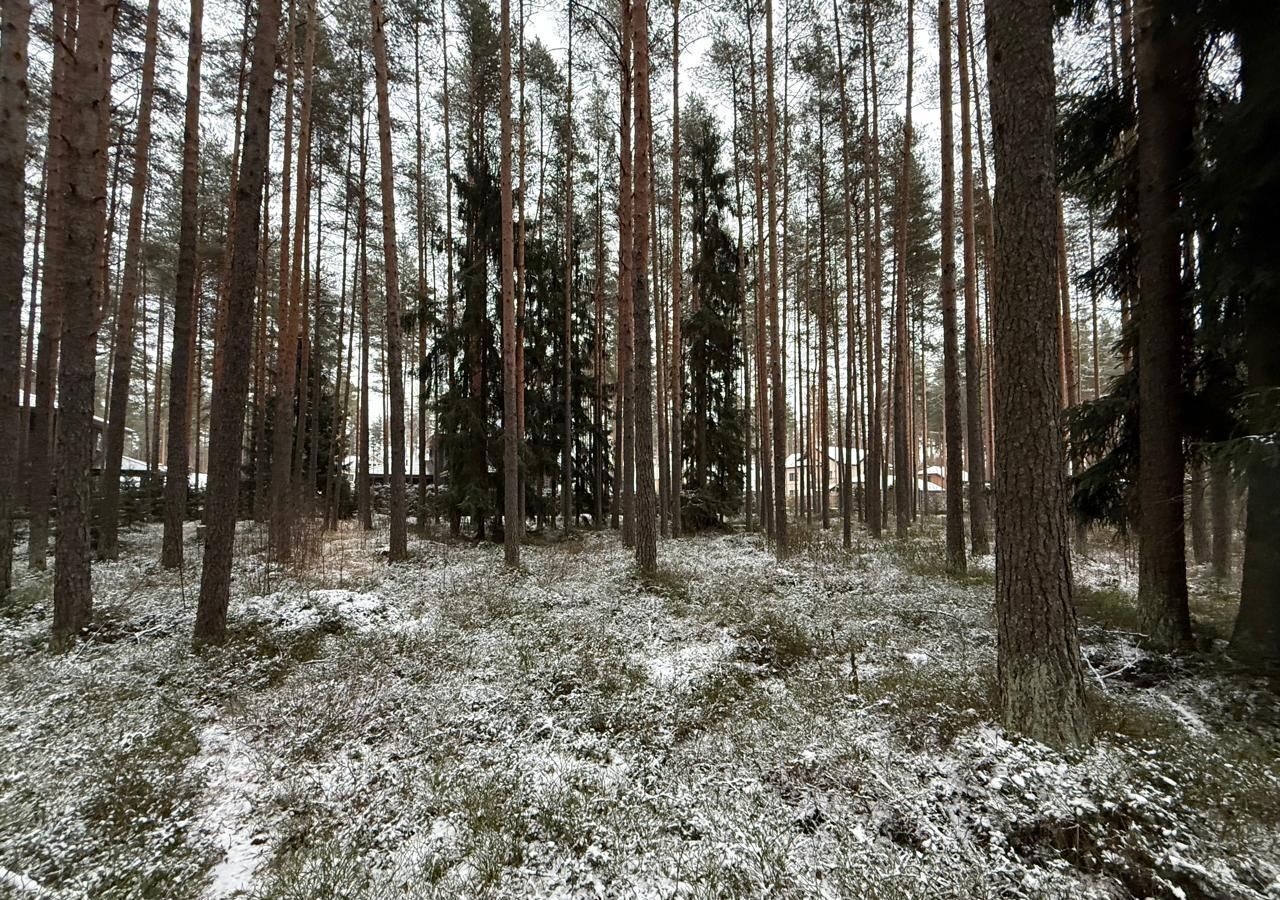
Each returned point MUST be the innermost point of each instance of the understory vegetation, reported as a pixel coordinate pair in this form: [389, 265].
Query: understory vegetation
[729, 727]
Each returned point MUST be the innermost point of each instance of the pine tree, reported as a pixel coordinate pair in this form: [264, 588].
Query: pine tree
[950, 337]
[14, 99]
[399, 548]
[677, 253]
[40, 452]
[646, 501]
[510, 431]
[185, 306]
[231, 368]
[126, 307]
[1165, 60]
[903, 482]
[84, 132]
[1256, 637]
[778, 398]
[1040, 685]
[979, 542]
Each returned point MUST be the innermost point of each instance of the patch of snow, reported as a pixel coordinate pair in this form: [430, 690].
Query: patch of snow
[1189, 718]
[682, 666]
[23, 884]
[230, 785]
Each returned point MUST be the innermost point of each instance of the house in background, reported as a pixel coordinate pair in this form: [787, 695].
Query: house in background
[930, 487]
[937, 476]
[130, 467]
[808, 466]
[27, 405]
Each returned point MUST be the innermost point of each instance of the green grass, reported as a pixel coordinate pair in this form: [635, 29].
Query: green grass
[1109, 608]
[931, 705]
[927, 559]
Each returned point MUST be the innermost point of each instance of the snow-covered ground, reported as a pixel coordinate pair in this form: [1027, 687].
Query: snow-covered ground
[730, 728]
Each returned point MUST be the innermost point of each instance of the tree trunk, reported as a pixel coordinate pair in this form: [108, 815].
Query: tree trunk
[979, 540]
[1256, 638]
[14, 98]
[779, 398]
[342, 387]
[315, 350]
[566, 450]
[450, 302]
[850, 284]
[419, 150]
[261, 375]
[153, 449]
[902, 481]
[231, 371]
[823, 424]
[1040, 685]
[399, 536]
[364, 488]
[24, 408]
[874, 478]
[122, 365]
[950, 338]
[767, 497]
[83, 133]
[988, 248]
[626, 287]
[1164, 136]
[40, 455]
[597, 452]
[287, 318]
[1070, 381]
[646, 501]
[510, 435]
[186, 298]
[677, 251]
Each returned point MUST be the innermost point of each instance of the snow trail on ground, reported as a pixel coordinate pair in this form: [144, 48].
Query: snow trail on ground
[231, 783]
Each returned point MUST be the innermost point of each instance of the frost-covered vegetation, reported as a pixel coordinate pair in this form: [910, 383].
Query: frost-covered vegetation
[734, 727]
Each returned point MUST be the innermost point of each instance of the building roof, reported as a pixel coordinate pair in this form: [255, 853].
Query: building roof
[835, 454]
[28, 401]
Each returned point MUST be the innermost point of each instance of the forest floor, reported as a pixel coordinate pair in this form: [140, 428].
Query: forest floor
[731, 728]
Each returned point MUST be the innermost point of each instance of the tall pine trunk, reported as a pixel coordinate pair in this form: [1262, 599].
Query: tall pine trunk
[510, 430]
[646, 501]
[40, 451]
[175, 482]
[14, 97]
[850, 285]
[950, 337]
[231, 368]
[126, 310]
[677, 250]
[979, 539]
[779, 399]
[1256, 637]
[874, 477]
[286, 321]
[626, 288]
[83, 133]
[1164, 136]
[902, 481]
[364, 490]
[761, 316]
[399, 536]
[1040, 685]
[566, 448]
